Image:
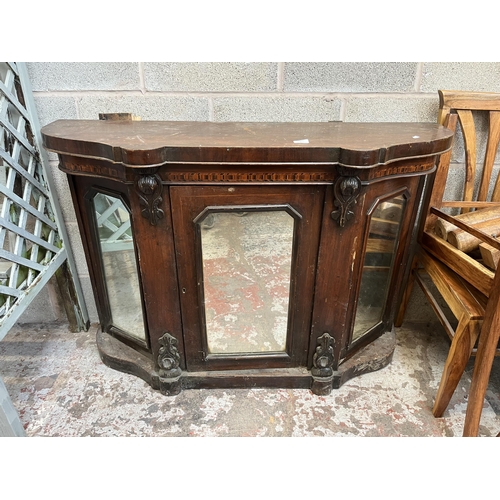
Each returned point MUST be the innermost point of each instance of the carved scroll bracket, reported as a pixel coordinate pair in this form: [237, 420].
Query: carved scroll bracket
[323, 357]
[169, 371]
[322, 370]
[345, 191]
[149, 188]
[168, 357]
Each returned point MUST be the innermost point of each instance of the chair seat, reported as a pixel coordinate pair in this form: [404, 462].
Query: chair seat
[460, 296]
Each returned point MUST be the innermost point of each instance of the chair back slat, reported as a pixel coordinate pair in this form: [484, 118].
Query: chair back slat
[464, 104]
[436, 191]
[470, 142]
[489, 159]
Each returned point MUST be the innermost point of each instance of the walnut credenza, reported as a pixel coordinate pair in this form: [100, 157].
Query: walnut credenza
[246, 254]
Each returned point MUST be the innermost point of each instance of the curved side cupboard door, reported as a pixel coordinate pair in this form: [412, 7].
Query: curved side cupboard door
[111, 249]
[121, 279]
[385, 220]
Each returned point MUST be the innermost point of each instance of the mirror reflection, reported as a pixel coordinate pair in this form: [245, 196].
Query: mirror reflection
[377, 267]
[120, 269]
[247, 258]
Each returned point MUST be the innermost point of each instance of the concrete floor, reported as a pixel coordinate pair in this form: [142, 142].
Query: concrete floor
[60, 387]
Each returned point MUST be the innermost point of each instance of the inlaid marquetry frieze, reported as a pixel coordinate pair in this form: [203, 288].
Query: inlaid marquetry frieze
[91, 167]
[248, 176]
[414, 168]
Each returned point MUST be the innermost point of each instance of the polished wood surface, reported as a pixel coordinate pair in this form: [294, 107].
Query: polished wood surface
[145, 143]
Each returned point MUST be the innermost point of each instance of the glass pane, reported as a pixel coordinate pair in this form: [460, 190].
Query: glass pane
[377, 268]
[247, 258]
[120, 269]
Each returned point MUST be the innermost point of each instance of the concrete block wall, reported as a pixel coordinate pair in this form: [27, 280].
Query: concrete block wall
[353, 92]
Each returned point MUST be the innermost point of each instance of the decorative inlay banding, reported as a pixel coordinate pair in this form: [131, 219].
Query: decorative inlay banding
[247, 177]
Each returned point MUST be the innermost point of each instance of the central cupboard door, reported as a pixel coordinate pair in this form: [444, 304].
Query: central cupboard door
[246, 260]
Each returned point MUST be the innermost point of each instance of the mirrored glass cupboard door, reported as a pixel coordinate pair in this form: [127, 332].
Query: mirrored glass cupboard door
[382, 241]
[246, 257]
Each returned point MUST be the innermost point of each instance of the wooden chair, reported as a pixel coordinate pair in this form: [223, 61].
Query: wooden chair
[470, 288]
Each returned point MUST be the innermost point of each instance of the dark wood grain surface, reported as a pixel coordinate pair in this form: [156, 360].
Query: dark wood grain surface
[147, 143]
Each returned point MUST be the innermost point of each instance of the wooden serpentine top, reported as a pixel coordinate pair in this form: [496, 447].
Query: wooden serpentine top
[149, 143]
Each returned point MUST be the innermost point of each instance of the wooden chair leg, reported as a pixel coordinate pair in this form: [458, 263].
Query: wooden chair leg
[407, 293]
[459, 354]
[487, 347]
[488, 342]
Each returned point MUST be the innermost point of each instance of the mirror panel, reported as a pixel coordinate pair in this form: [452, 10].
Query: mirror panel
[385, 225]
[119, 264]
[246, 262]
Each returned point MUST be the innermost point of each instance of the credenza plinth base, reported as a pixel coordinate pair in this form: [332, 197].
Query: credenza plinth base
[119, 356]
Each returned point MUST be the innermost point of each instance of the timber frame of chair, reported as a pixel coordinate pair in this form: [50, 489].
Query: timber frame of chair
[471, 290]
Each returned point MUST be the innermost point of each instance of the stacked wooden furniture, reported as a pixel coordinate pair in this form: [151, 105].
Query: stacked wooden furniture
[460, 252]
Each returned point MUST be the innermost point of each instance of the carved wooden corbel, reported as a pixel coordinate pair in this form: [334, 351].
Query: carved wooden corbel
[323, 357]
[322, 369]
[345, 191]
[149, 188]
[168, 357]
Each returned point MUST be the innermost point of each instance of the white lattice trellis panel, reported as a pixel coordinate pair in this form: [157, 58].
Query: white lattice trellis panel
[31, 235]
[31, 246]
